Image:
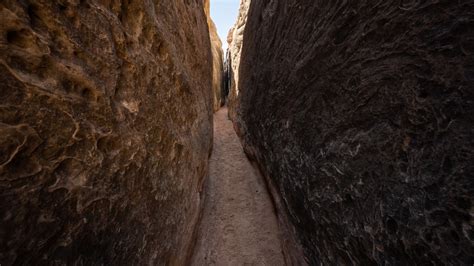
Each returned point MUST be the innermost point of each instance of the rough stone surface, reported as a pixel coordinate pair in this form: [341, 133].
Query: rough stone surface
[227, 77]
[105, 130]
[217, 61]
[361, 113]
[235, 41]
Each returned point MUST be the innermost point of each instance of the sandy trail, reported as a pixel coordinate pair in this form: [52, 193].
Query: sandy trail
[239, 226]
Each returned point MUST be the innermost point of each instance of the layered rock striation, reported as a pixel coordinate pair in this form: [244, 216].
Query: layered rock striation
[105, 130]
[360, 114]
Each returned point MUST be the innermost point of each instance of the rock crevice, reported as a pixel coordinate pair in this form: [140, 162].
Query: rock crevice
[217, 61]
[235, 40]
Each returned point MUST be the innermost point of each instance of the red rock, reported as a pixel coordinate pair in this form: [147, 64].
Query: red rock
[105, 130]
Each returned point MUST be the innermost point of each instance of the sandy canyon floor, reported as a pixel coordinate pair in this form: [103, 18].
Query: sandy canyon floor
[239, 225]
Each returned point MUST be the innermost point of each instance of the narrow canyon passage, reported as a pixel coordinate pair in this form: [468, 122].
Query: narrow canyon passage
[239, 226]
[358, 114]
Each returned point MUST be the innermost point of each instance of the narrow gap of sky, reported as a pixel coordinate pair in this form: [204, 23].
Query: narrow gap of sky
[224, 14]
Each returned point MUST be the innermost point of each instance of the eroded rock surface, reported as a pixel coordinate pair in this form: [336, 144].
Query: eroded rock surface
[105, 130]
[361, 114]
[235, 41]
[217, 61]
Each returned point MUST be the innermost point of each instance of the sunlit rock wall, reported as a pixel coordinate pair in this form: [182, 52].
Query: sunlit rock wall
[105, 130]
[217, 60]
[235, 41]
[361, 114]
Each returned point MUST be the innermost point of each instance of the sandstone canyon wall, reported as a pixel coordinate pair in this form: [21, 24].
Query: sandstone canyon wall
[235, 41]
[105, 130]
[217, 60]
[361, 115]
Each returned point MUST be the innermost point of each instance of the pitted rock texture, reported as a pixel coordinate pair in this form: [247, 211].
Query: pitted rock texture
[235, 40]
[105, 130]
[217, 61]
[361, 113]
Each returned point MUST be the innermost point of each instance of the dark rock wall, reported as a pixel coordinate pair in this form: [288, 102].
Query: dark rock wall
[105, 130]
[362, 115]
[228, 79]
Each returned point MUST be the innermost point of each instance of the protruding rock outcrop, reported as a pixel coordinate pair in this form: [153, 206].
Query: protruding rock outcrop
[361, 113]
[217, 61]
[235, 41]
[105, 130]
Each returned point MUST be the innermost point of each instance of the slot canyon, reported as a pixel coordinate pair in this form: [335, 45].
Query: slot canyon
[327, 133]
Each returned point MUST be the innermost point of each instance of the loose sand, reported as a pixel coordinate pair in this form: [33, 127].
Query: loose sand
[239, 226]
